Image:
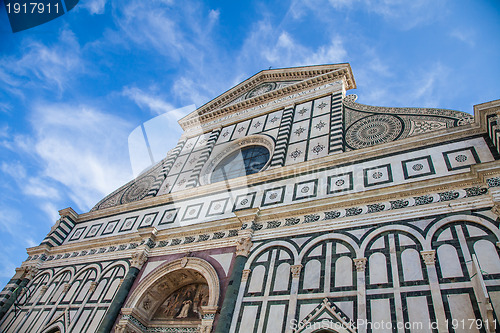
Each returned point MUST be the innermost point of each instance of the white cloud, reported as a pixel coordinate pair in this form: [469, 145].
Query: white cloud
[40, 188]
[154, 103]
[82, 149]
[464, 36]
[51, 210]
[280, 49]
[45, 65]
[94, 6]
[14, 169]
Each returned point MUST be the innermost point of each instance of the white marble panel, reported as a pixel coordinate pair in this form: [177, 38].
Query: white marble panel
[178, 164]
[322, 105]
[320, 126]
[343, 272]
[487, 256]
[225, 134]
[282, 277]
[257, 125]
[202, 140]
[224, 260]
[312, 273]
[300, 131]
[448, 261]
[296, 153]
[276, 317]
[257, 279]
[461, 310]
[405, 240]
[445, 235]
[249, 317]
[318, 147]
[274, 120]
[411, 265]
[189, 145]
[418, 314]
[475, 231]
[240, 130]
[380, 315]
[181, 182]
[167, 185]
[302, 111]
[191, 161]
[378, 268]
[341, 248]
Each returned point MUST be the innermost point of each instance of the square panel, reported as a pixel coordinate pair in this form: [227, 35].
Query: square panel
[460, 158]
[257, 125]
[244, 201]
[128, 224]
[378, 175]
[273, 120]
[110, 227]
[191, 161]
[273, 196]
[202, 140]
[148, 220]
[225, 134]
[189, 145]
[302, 111]
[418, 167]
[192, 212]
[181, 182]
[299, 132]
[167, 185]
[318, 147]
[305, 189]
[321, 106]
[178, 164]
[241, 130]
[78, 233]
[320, 126]
[217, 207]
[93, 230]
[339, 183]
[169, 216]
[296, 153]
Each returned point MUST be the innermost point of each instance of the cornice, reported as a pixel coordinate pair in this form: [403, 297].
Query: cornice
[311, 78]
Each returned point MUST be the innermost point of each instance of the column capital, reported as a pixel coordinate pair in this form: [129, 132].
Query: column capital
[295, 269]
[360, 264]
[138, 259]
[31, 272]
[429, 257]
[245, 273]
[93, 286]
[243, 246]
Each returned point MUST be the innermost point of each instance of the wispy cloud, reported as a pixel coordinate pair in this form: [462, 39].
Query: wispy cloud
[464, 36]
[80, 148]
[93, 6]
[42, 65]
[156, 104]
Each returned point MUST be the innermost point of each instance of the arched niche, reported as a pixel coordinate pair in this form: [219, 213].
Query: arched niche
[180, 294]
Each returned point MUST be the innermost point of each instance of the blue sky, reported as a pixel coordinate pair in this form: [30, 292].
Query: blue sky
[73, 89]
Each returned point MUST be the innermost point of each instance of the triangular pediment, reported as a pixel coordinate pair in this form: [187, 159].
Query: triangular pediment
[326, 315]
[268, 85]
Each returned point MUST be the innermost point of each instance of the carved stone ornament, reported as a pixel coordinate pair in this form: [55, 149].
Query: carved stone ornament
[43, 289]
[360, 264]
[184, 261]
[429, 257]
[146, 304]
[243, 247]
[66, 287]
[93, 286]
[138, 259]
[31, 272]
[245, 274]
[296, 271]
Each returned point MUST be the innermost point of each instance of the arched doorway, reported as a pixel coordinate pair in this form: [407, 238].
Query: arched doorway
[182, 294]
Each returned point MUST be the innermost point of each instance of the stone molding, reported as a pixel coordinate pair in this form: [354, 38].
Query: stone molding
[245, 274]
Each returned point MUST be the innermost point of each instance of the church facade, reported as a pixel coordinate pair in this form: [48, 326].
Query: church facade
[286, 206]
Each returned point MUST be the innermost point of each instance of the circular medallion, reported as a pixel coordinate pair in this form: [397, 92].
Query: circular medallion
[373, 130]
[261, 89]
[461, 158]
[138, 190]
[340, 182]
